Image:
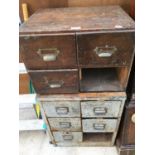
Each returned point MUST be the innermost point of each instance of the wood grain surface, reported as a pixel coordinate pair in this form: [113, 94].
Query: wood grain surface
[34, 5]
[77, 19]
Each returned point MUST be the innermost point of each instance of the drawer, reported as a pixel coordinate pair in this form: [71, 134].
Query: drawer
[48, 52]
[54, 82]
[67, 137]
[108, 49]
[65, 124]
[101, 108]
[99, 125]
[62, 109]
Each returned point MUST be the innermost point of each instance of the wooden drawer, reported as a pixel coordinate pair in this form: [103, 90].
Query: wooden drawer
[99, 125]
[48, 52]
[67, 137]
[108, 49]
[65, 124]
[101, 108]
[55, 82]
[62, 109]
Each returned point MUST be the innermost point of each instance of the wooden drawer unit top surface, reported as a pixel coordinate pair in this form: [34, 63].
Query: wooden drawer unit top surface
[77, 19]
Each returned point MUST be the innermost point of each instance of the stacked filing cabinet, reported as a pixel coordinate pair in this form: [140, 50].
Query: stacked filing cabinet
[79, 61]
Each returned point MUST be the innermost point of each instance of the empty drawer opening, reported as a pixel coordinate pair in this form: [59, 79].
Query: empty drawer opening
[97, 137]
[103, 79]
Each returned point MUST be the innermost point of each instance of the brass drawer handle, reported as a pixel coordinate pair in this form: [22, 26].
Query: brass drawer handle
[56, 84]
[53, 83]
[65, 124]
[62, 110]
[105, 51]
[100, 110]
[48, 54]
[133, 118]
[67, 137]
[99, 126]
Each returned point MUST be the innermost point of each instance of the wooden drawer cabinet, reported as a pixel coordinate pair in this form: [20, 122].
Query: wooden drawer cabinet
[55, 81]
[78, 38]
[62, 109]
[79, 60]
[105, 49]
[48, 52]
[101, 109]
[67, 137]
[65, 124]
[99, 125]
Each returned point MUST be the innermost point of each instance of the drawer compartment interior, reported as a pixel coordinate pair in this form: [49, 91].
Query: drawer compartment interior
[97, 137]
[103, 79]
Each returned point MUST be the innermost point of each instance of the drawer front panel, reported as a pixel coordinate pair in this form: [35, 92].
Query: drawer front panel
[65, 124]
[99, 125]
[52, 82]
[67, 137]
[47, 52]
[62, 109]
[109, 49]
[101, 108]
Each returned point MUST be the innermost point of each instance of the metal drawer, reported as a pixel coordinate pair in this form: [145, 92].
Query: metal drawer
[67, 137]
[101, 108]
[62, 108]
[65, 124]
[99, 125]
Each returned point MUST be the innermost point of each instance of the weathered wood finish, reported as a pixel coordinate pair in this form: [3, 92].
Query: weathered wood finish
[62, 108]
[83, 96]
[34, 5]
[68, 137]
[24, 83]
[77, 19]
[55, 82]
[101, 109]
[65, 124]
[34, 48]
[108, 42]
[99, 125]
[127, 128]
[126, 150]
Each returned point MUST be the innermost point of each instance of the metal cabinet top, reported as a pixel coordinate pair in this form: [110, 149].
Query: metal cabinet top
[77, 19]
